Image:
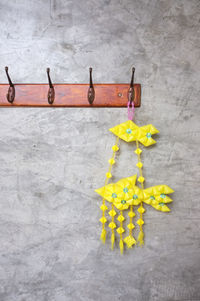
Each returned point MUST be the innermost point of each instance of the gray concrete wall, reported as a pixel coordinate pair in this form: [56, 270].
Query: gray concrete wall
[51, 160]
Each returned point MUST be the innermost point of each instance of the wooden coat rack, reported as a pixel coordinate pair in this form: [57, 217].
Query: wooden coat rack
[69, 95]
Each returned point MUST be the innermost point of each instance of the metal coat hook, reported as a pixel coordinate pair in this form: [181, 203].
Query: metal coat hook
[11, 90]
[51, 92]
[91, 91]
[131, 92]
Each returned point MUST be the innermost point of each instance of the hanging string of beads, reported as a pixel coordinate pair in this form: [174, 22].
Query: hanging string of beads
[141, 209]
[130, 240]
[120, 230]
[103, 207]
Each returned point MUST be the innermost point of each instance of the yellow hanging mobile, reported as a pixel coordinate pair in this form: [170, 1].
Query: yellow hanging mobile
[125, 194]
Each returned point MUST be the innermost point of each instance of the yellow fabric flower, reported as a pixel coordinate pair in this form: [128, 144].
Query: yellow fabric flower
[129, 131]
[119, 193]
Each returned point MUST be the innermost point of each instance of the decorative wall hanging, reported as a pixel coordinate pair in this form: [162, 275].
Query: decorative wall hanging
[125, 194]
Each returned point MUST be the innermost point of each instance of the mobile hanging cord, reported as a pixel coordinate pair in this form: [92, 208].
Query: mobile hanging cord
[131, 110]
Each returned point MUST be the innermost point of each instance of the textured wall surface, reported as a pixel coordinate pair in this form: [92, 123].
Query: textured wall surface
[51, 160]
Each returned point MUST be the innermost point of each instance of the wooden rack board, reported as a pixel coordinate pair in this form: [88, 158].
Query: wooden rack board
[70, 95]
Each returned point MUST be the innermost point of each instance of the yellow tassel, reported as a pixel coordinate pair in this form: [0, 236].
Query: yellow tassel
[112, 240]
[140, 238]
[121, 245]
[103, 236]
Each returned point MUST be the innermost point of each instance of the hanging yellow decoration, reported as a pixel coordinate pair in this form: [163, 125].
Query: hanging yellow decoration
[125, 194]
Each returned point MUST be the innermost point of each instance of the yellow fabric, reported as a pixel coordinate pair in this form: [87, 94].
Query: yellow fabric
[129, 131]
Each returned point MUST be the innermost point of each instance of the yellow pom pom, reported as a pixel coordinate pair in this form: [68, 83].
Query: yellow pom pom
[131, 226]
[131, 214]
[139, 164]
[104, 207]
[120, 230]
[111, 161]
[112, 212]
[140, 222]
[112, 225]
[141, 179]
[121, 218]
[138, 151]
[108, 175]
[103, 220]
[141, 210]
[115, 148]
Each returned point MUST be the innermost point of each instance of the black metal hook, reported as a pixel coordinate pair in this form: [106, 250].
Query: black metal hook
[51, 92]
[11, 90]
[131, 92]
[91, 91]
